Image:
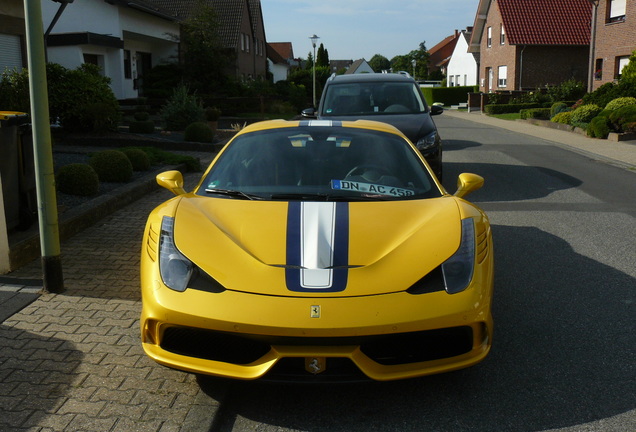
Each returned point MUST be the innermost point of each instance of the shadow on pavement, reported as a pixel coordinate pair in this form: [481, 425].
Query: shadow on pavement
[36, 377]
[562, 356]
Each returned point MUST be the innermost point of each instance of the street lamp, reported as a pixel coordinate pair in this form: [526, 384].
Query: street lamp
[314, 39]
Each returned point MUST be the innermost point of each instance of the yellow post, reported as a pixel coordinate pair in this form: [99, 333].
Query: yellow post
[44, 173]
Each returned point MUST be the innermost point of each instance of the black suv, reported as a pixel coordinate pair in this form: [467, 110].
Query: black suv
[393, 98]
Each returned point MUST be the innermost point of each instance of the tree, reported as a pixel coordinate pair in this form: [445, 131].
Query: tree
[379, 63]
[205, 60]
[629, 71]
[322, 56]
[405, 62]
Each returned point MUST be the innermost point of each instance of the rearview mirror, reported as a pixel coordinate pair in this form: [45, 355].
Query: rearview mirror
[467, 183]
[309, 113]
[171, 180]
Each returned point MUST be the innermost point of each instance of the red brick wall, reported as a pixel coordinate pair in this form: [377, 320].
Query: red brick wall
[529, 68]
[613, 40]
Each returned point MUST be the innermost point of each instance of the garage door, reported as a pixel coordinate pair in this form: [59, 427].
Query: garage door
[10, 52]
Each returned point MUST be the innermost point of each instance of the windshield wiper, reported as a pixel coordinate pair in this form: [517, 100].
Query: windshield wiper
[233, 194]
[324, 197]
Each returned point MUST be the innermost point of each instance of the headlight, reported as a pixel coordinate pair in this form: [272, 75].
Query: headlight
[427, 142]
[174, 267]
[458, 269]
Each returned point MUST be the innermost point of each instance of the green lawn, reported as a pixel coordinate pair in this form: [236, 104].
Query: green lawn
[509, 116]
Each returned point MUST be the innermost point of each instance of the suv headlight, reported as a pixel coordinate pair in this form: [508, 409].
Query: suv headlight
[174, 267]
[458, 269]
[427, 142]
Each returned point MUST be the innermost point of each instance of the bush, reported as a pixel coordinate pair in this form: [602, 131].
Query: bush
[141, 116]
[199, 132]
[77, 179]
[182, 109]
[81, 99]
[564, 117]
[599, 127]
[567, 90]
[585, 113]
[509, 108]
[623, 116]
[112, 166]
[558, 107]
[536, 113]
[620, 103]
[212, 114]
[138, 159]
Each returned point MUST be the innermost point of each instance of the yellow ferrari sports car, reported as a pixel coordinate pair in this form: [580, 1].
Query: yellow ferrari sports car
[317, 251]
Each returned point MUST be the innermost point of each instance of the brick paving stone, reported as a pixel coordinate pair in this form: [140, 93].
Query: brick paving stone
[73, 361]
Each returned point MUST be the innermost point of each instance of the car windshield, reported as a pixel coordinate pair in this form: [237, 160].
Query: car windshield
[372, 98]
[319, 164]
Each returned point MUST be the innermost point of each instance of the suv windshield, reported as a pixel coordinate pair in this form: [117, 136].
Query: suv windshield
[369, 98]
[319, 163]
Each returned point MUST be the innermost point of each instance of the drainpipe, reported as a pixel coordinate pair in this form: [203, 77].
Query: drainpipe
[590, 81]
[42, 148]
[521, 65]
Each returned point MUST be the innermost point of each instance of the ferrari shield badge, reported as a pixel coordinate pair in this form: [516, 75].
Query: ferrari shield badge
[314, 311]
[315, 365]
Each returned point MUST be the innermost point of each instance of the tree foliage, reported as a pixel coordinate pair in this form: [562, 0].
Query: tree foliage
[205, 59]
[379, 63]
[405, 62]
[322, 56]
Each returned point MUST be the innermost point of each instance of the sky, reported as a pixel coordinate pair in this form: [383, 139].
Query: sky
[355, 29]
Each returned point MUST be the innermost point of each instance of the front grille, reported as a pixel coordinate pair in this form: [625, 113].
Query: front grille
[391, 349]
[210, 345]
[419, 346]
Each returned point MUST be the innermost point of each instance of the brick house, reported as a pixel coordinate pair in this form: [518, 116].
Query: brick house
[241, 30]
[441, 54]
[614, 39]
[529, 44]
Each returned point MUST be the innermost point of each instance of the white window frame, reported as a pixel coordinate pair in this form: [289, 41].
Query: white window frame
[617, 9]
[502, 76]
[489, 37]
[502, 36]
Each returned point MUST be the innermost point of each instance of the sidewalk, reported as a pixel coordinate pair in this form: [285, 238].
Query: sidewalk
[73, 361]
[621, 154]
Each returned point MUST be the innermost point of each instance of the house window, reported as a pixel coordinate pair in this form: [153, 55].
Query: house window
[127, 65]
[621, 62]
[616, 10]
[502, 76]
[489, 40]
[451, 81]
[10, 52]
[598, 70]
[95, 59]
[247, 43]
[502, 36]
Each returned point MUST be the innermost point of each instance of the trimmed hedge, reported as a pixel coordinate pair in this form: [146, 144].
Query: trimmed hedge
[448, 95]
[535, 113]
[509, 108]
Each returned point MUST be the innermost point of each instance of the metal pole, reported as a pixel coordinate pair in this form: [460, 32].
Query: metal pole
[43, 154]
[590, 81]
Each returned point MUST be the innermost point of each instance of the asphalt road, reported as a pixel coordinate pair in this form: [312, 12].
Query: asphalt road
[564, 227]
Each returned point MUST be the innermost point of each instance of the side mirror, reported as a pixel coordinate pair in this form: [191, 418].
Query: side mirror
[309, 113]
[467, 183]
[436, 110]
[171, 180]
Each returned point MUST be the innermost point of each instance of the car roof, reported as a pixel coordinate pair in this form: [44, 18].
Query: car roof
[359, 124]
[371, 77]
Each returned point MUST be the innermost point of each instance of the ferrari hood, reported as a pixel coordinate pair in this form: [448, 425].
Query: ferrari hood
[317, 248]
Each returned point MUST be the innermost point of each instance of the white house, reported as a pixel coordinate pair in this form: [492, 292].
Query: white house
[359, 66]
[124, 38]
[463, 67]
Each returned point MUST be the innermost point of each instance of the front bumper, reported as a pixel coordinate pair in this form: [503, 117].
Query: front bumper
[247, 336]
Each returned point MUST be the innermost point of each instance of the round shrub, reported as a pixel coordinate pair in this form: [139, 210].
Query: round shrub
[585, 113]
[623, 116]
[563, 117]
[112, 166]
[182, 109]
[77, 179]
[620, 103]
[199, 132]
[599, 127]
[558, 107]
[138, 159]
[141, 116]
